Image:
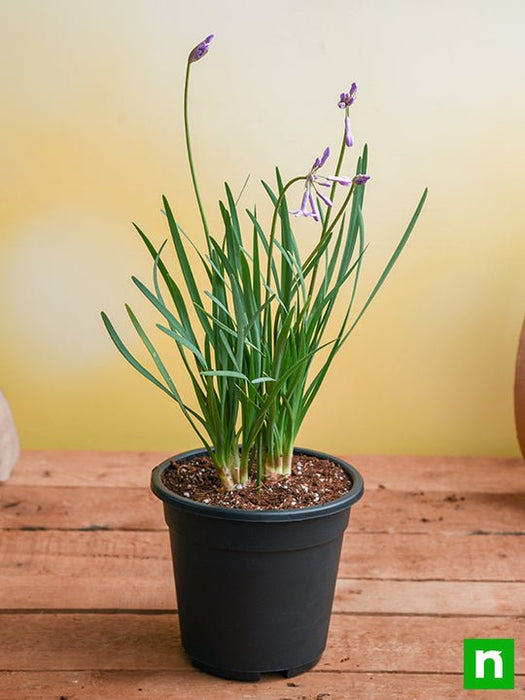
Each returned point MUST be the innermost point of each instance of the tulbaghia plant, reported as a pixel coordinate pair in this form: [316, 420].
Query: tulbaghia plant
[248, 340]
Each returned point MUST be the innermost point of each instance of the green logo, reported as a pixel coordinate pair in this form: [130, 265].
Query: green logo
[488, 663]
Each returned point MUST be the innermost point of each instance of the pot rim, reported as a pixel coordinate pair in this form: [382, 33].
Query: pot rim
[205, 509]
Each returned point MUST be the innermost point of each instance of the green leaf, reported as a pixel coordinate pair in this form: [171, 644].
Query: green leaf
[151, 349]
[265, 243]
[184, 263]
[181, 340]
[242, 189]
[393, 259]
[224, 373]
[160, 306]
[171, 285]
[130, 358]
[342, 337]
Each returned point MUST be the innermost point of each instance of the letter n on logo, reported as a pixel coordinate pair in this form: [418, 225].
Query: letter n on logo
[488, 663]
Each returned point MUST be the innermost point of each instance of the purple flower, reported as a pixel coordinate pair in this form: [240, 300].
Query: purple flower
[360, 179]
[303, 210]
[346, 100]
[200, 50]
[312, 182]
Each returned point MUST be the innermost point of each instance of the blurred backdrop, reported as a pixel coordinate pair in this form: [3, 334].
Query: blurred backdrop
[92, 137]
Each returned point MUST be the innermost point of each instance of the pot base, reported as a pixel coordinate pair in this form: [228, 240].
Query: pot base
[252, 677]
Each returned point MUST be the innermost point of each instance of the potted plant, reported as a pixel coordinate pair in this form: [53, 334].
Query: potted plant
[256, 523]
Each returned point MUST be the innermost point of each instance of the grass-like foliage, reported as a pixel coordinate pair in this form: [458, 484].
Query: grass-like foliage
[248, 341]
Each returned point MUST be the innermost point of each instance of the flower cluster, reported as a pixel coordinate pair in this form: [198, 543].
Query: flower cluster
[313, 180]
[346, 100]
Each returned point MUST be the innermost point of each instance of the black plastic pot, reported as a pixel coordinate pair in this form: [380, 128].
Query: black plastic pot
[255, 588]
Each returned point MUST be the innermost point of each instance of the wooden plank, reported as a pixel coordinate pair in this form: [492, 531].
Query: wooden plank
[74, 553]
[448, 474]
[94, 592]
[85, 468]
[411, 644]
[364, 556]
[429, 598]
[188, 685]
[147, 592]
[467, 474]
[365, 644]
[450, 512]
[437, 557]
[73, 507]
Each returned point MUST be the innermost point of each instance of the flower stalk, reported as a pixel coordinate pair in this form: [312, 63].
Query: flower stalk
[196, 54]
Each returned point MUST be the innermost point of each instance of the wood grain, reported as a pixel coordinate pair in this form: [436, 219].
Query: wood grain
[188, 685]
[407, 474]
[433, 554]
[370, 644]
[367, 556]
[441, 557]
[356, 596]
[381, 510]
[79, 508]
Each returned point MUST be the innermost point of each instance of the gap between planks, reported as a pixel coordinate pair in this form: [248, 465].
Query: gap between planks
[352, 596]
[131, 611]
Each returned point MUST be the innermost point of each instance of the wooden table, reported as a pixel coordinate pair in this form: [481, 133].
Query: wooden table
[434, 553]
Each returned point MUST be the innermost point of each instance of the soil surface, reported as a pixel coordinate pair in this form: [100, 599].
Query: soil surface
[313, 481]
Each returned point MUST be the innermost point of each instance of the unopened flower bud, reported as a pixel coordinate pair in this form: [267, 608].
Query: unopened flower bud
[200, 50]
[360, 179]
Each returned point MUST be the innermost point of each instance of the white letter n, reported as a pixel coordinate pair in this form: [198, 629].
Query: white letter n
[482, 656]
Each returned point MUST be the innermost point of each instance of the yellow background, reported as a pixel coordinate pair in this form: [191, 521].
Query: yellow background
[92, 136]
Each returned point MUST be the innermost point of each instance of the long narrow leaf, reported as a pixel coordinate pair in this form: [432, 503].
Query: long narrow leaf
[184, 263]
[130, 358]
[392, 261]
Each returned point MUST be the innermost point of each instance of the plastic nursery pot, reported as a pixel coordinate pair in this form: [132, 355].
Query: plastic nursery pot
[255, 588]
